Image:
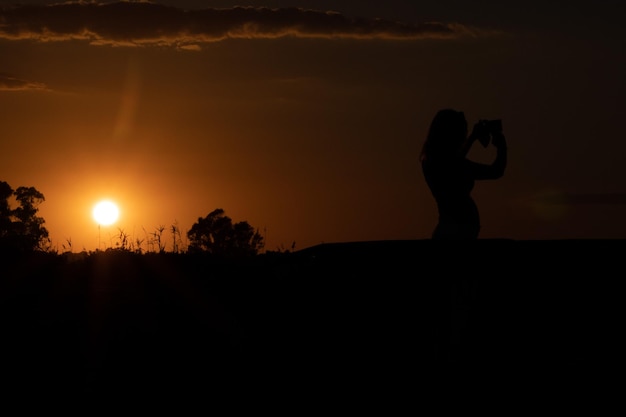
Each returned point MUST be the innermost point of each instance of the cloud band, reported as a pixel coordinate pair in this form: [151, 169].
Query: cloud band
[148, 24]
[10, 83]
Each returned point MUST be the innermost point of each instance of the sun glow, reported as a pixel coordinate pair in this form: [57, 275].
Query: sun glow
[105, 213]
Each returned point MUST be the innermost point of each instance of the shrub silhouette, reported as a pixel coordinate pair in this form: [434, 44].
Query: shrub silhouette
[20, 228]
[217, 234]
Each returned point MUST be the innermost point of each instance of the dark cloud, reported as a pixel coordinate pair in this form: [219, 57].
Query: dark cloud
[144, 23]
[10, 83]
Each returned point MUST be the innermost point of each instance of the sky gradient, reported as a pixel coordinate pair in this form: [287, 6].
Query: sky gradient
[306, 118]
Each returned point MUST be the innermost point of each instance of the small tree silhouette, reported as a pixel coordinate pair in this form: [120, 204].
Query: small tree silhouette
[217, 234]
[20, 228]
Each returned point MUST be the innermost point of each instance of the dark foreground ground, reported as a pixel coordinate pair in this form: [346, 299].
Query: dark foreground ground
[367, 317]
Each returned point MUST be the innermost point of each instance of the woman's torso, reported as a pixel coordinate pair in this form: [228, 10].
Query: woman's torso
[451, 183]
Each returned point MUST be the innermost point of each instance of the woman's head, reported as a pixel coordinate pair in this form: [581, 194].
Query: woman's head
[446, 135]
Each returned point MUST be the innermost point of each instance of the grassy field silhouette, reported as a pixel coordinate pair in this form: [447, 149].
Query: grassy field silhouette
[120, 322]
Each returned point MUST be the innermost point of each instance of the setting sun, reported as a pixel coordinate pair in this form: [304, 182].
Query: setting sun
[105, 213]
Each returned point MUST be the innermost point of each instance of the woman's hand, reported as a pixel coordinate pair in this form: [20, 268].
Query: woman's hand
[480, 132]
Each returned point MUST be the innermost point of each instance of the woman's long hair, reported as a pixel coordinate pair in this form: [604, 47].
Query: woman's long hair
[446, 135]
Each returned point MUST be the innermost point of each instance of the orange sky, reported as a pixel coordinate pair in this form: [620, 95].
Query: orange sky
[309, 137]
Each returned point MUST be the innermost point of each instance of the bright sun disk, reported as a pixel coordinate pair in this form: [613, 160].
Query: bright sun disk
[105, 213]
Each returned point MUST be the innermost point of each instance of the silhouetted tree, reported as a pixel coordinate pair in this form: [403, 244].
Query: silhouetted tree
[217, 234]
[5, 209]
[20, 228]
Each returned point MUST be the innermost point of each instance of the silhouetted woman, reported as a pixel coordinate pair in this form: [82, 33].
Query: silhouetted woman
[450, 175]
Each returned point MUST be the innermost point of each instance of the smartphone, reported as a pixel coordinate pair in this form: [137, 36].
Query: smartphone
[490, 127]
